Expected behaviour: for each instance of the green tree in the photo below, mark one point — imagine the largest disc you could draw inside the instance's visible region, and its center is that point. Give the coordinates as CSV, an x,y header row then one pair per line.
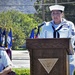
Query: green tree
x,y
69,8
20,23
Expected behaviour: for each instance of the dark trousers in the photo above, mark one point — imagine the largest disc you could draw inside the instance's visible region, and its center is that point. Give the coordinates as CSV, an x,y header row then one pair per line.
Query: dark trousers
x,y
11,73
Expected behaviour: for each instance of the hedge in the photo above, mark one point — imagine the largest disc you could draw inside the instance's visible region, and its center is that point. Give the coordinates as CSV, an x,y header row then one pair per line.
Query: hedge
x,y
21,71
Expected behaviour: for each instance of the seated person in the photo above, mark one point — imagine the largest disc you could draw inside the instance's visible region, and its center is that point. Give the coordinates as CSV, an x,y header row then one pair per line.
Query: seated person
x,y
5,63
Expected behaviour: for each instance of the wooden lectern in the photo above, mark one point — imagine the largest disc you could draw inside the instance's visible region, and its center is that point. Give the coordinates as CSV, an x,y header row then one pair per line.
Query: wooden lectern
x,y
49,56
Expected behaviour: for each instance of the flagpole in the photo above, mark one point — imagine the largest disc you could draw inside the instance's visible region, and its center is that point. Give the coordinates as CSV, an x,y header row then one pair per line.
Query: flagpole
x,y
55,1
5,38
0,36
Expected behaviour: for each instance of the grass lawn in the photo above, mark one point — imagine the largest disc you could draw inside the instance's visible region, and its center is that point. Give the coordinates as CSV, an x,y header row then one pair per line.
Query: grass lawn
x,y
21,71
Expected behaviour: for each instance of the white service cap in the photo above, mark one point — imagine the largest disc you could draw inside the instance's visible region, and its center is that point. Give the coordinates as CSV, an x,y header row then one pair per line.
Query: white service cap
x,y
56,7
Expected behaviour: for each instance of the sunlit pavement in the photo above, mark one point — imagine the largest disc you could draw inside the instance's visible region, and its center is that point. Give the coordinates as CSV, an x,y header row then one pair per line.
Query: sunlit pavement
x,y
20,59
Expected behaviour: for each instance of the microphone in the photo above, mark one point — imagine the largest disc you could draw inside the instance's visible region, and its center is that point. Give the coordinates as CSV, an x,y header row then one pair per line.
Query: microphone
x,y
38,31
41,24
37,27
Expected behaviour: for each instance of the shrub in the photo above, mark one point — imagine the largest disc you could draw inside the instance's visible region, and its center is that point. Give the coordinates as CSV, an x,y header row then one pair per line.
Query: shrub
x,y
74,72
21,71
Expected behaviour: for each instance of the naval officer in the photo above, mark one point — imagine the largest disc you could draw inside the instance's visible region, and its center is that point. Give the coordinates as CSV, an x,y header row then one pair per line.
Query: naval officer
x,y
59,27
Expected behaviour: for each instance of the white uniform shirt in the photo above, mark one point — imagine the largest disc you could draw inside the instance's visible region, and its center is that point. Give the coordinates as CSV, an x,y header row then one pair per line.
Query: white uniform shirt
x,y
67,31
4,60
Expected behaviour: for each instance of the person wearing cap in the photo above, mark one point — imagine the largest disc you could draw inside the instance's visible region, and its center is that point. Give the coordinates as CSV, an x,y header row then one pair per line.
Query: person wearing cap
x,y
59,27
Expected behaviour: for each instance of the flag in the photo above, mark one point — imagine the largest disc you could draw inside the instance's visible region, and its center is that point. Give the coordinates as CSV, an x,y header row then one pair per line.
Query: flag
x,y
32,33
38,32
4,32
4,38
0,36
9,39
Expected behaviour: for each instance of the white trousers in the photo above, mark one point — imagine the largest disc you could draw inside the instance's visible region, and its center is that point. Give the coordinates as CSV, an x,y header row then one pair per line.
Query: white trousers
x,y
72,64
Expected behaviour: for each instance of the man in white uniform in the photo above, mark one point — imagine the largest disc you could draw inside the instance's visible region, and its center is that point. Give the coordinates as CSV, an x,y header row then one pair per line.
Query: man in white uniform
x,y
5,63
58,27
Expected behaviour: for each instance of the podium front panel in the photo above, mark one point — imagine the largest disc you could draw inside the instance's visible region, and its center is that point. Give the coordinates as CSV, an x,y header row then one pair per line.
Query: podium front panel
x,y
59,68
49,56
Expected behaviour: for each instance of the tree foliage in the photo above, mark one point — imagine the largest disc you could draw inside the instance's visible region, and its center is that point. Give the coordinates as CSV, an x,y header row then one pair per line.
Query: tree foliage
x,y
21,25
69,8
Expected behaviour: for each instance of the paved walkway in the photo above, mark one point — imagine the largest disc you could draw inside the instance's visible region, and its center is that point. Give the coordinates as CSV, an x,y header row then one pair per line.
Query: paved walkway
x,y
21,59
20,55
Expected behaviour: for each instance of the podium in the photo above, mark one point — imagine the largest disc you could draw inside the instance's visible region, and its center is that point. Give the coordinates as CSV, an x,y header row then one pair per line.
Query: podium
x,y
49,56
